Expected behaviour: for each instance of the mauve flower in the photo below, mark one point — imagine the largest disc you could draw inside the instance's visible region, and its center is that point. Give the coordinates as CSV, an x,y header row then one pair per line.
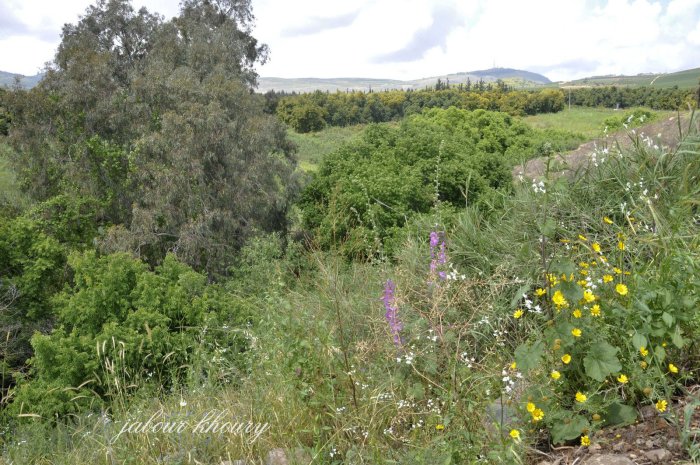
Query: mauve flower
x,y
391,308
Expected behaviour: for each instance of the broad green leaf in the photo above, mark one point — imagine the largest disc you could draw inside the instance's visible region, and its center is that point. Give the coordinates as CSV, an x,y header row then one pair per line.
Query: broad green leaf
x,y
568,429
561,266
528,356
668,319
601,361
639,340
548,227
572,291
620,414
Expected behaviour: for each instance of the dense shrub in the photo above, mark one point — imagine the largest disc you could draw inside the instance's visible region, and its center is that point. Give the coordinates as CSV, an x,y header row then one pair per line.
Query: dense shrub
x,y
367,189
120,321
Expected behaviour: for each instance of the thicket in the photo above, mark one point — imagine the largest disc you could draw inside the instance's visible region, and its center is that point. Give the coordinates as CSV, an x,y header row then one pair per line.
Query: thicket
x,y
147,165
154,120
313,111
655,98
368,190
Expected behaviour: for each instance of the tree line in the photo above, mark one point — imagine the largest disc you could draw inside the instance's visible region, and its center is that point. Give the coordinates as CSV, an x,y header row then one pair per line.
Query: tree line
x,y
313,111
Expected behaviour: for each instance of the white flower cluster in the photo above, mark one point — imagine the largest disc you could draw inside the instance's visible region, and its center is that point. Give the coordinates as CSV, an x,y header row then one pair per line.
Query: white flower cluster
x,y
527,303
508,382
538,187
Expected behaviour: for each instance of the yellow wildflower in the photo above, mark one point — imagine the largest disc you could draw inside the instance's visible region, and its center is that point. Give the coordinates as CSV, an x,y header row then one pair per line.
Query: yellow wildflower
x,y
596,247
588,296
518,313
576,332
595,310
515,434
607,220
584,272
439,427
555,375
513,366
643,364
661,405
566,358
643,350
607,278
530,407
559,299
537,414
585,441
577,313
617,270
582,283
582,237
623,379
621,245
672,368
581,397
621,289
540,292
583,265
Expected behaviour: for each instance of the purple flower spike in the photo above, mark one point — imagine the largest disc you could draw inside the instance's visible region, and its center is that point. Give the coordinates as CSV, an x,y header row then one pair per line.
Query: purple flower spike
x,y
392,311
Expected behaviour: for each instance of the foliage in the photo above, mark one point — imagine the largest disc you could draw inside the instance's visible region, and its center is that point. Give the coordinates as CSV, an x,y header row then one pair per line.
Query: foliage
x,y
629,119
656,98
311,112
120,320
156,122
371,187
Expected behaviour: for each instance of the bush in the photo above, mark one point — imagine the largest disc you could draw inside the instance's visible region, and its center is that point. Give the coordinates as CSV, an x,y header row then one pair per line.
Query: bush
x,y
367,189
120,326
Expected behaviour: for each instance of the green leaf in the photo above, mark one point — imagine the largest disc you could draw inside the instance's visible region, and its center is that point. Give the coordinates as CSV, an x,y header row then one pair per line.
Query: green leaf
x,y
620,414
668,319
528,356
639,340
561,266
548,228
677,339
568,429
572,291
601,361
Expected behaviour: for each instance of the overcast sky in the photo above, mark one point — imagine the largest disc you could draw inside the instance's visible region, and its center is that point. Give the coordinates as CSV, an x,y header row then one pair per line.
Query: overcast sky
x,y
409,39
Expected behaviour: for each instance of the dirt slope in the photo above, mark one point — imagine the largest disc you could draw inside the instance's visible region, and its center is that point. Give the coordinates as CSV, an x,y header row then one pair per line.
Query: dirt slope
x,y
664,133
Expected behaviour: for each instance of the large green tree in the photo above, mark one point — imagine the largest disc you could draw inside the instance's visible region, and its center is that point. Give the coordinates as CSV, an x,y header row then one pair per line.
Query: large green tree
x,y
155,120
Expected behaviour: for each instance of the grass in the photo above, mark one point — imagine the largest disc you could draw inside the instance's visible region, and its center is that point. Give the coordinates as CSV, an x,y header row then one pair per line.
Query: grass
x,y
329,378
314,145
583,120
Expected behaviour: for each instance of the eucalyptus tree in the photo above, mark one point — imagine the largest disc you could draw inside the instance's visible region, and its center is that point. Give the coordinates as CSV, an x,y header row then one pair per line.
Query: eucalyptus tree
x,y
156,120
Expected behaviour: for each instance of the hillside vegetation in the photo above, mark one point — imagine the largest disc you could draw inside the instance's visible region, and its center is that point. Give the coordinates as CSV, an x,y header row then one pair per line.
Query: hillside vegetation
x,y
174,290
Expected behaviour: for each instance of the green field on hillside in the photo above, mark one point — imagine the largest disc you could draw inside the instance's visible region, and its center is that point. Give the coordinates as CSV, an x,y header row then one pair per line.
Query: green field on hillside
x,y
584,120
311,147
683,79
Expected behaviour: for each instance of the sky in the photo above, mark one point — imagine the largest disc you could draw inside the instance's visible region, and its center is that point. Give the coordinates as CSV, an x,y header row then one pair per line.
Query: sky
x,y
411,39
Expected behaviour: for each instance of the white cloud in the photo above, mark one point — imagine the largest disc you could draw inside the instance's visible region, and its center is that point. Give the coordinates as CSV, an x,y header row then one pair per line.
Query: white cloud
x,y
326,38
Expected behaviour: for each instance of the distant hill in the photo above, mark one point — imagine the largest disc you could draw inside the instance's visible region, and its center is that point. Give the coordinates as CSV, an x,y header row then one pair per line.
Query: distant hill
x,y
513,77
684,79
27,82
